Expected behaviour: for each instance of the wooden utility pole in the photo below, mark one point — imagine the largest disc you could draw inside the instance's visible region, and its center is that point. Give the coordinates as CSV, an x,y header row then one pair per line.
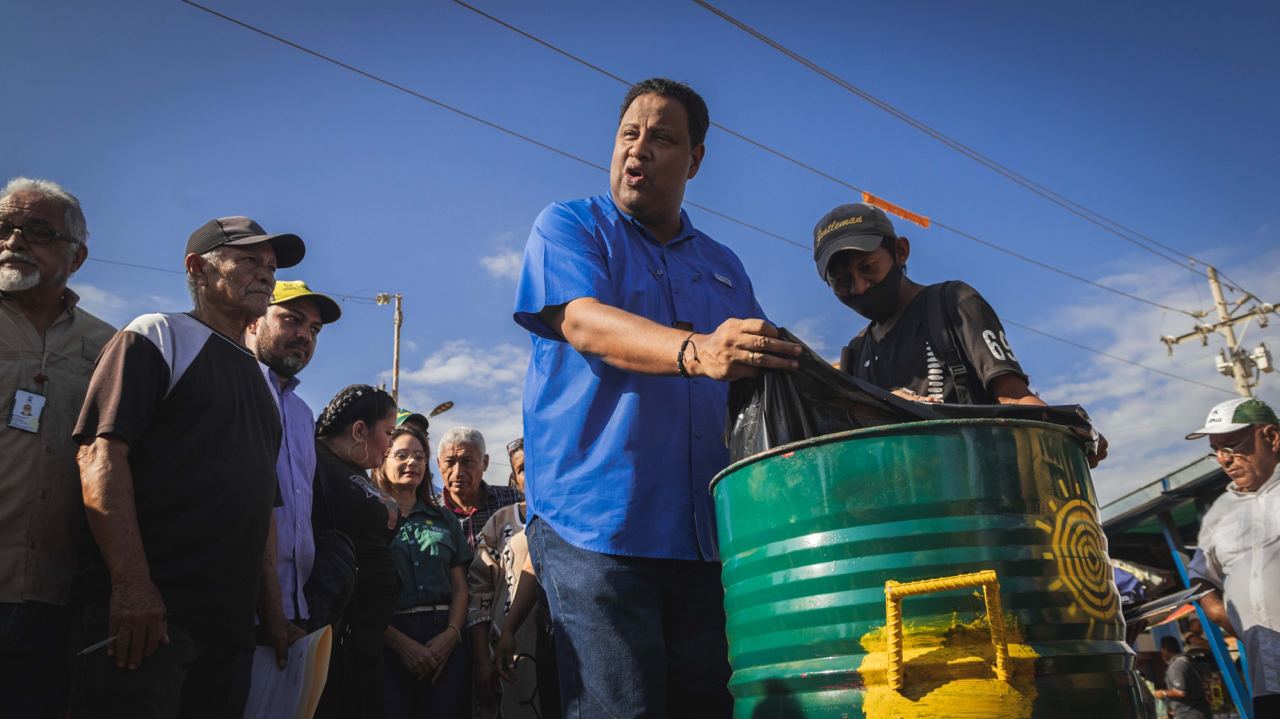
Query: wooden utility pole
x,y
1238,363
383,298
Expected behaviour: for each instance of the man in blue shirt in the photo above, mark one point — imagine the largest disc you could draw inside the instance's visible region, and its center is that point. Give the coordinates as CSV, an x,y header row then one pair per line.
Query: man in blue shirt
x,y
637,321
284,340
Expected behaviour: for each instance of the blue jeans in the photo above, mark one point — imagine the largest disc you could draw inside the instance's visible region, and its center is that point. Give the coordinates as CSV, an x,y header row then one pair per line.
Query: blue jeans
x,y
635,637
33,660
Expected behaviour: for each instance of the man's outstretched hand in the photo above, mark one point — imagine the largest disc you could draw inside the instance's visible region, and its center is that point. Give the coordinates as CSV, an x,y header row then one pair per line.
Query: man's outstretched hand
x,y
740,348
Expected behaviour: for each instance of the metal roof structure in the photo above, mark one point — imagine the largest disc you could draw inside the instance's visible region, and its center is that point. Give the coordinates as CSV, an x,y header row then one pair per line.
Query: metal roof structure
x,y
1132,522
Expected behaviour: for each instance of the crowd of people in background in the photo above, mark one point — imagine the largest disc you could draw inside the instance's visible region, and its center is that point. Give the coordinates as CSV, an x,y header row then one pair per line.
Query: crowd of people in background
x,y
168,502
171,503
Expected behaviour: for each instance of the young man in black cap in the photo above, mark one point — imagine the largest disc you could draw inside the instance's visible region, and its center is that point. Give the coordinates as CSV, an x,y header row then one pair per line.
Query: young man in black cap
x,y
935,343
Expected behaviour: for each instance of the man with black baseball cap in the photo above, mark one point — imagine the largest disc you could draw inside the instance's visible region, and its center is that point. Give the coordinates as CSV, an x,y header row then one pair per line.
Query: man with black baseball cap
x,y
239,231
935,343
179,438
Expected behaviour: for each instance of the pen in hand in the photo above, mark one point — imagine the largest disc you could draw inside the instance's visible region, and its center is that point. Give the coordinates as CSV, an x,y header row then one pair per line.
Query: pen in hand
x,y
95,646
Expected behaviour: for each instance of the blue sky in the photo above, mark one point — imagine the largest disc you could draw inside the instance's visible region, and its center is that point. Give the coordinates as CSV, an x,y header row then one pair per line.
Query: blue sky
x,y
1162,116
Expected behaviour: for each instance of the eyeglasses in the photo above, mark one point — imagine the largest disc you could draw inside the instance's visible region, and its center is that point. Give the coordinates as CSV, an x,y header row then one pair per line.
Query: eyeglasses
x,y
403,455
34,234
515,445
1239,447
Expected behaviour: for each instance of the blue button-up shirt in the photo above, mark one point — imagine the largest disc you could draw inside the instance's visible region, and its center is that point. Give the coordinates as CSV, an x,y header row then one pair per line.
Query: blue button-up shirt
x,y
619,462
296,467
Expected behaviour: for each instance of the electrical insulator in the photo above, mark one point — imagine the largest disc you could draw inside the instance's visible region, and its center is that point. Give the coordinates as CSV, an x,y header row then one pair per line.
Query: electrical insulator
x,y
1261,357
1224,364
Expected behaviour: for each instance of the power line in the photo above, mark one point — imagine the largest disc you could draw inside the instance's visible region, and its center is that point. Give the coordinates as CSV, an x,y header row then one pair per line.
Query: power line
x,y
1109,225
1117,358
1006,321
152,268
136,266
584,161
778,153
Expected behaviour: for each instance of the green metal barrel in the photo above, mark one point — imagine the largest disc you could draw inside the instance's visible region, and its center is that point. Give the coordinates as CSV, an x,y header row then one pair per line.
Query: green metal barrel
x,y
947,517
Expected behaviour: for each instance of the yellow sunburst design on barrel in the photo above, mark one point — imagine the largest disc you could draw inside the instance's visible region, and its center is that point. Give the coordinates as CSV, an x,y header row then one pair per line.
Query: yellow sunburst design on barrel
x,y
1080,550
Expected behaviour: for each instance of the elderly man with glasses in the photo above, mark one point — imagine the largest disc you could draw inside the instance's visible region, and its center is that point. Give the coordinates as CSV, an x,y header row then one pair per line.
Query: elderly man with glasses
x,y
1239,546
47,347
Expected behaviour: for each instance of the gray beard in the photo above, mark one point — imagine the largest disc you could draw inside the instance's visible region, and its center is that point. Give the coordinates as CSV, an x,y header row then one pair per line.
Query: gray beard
x,y
286,367
13,280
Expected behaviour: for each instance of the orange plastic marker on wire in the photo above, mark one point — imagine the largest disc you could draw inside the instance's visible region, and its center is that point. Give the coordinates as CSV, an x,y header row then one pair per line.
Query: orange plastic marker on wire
x,y
893,209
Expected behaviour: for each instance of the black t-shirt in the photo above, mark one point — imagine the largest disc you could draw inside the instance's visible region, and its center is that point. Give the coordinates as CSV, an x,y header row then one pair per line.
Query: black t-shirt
x,y
203,434
905,356
346,499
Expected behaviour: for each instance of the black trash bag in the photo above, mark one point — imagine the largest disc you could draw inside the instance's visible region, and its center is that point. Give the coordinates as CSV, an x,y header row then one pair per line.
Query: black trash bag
x,y
781,407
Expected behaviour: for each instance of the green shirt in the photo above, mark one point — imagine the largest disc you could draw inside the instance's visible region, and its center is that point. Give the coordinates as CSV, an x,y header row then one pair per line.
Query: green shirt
x,y
429,544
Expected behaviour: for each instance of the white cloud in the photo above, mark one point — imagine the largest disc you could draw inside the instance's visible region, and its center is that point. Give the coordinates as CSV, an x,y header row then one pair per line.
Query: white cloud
x,y
484,383
504,265
117,309
1145,415
497,416
814,332
460,363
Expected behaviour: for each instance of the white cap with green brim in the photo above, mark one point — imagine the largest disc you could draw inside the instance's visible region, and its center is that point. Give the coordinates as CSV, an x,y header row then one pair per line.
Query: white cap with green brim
x,y
1235,414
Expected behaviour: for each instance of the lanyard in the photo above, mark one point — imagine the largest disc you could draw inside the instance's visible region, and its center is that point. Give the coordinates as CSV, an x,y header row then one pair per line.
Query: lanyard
x,y
40,378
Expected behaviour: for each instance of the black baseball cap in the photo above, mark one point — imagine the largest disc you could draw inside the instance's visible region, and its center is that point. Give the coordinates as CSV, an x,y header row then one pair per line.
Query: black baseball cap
x,y
849,227
240,231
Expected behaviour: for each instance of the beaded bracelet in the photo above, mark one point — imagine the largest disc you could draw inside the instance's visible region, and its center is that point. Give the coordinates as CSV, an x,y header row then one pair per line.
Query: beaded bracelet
x,y
684,372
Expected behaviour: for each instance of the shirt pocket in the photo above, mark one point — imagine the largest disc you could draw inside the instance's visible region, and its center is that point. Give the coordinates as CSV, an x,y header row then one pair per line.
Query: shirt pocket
x,y
722,296
13,375
1230,548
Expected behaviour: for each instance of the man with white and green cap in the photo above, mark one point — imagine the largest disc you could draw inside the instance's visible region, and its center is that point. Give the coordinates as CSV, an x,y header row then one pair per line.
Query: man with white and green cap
x,y
1239,545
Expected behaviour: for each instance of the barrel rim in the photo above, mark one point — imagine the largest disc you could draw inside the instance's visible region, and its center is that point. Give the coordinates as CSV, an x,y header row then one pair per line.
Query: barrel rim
x,y
887,429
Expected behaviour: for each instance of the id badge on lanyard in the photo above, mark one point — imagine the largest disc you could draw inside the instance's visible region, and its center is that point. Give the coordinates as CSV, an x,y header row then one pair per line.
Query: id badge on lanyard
x,y
27,406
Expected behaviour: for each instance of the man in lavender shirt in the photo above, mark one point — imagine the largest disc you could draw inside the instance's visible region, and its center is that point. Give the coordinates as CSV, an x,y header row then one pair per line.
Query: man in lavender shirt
x,y
284,340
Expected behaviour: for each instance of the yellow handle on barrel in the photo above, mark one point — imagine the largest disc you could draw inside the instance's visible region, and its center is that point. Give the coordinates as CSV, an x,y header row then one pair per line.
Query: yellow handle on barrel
x,y
895,592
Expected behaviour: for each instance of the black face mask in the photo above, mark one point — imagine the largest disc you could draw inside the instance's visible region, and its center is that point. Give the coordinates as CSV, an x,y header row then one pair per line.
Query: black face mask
x,y
880,300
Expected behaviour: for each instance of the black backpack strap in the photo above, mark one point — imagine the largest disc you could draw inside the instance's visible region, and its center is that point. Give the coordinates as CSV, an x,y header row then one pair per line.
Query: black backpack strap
x,y
846,358
849,353
941,318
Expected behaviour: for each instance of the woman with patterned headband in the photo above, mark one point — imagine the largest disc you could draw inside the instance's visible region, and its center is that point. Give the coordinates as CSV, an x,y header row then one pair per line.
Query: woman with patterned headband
x,y
353,434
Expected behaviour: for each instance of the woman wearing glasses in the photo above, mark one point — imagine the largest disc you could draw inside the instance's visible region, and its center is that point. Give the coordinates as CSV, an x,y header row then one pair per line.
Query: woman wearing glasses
x,y
427,672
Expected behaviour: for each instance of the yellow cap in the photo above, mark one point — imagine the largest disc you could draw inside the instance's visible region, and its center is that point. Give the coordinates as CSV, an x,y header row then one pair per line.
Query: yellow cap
x,y
289,290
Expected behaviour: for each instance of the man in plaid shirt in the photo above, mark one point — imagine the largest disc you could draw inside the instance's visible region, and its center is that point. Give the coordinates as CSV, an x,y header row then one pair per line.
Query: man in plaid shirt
x,y
462,460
